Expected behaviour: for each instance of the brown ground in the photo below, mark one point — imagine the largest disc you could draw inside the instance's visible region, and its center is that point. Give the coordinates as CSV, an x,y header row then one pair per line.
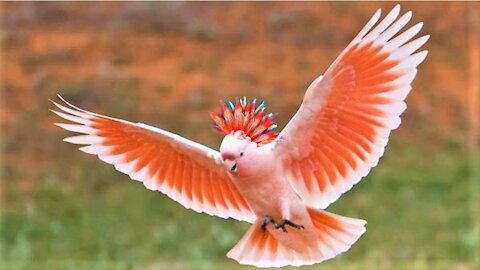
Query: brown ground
x,y
169,63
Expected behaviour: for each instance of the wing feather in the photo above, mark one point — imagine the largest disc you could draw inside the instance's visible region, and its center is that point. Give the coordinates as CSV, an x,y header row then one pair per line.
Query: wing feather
x,y
342,127
187,172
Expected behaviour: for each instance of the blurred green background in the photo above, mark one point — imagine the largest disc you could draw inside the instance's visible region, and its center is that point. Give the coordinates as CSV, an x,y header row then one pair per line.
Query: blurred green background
x,y
168,65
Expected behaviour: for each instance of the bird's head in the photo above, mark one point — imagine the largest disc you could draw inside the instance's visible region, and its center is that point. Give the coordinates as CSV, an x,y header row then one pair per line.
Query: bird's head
x,y
246,126
235,148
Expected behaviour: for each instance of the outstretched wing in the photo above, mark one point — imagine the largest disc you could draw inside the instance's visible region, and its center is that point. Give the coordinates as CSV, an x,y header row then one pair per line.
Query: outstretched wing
x,y
341,129
188,172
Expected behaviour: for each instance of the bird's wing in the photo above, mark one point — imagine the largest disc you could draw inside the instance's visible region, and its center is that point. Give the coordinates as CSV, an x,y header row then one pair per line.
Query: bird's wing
x,y
187,172
341,129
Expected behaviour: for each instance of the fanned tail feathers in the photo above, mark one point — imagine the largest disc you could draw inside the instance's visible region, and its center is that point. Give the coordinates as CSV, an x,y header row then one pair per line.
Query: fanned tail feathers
x,y
333,234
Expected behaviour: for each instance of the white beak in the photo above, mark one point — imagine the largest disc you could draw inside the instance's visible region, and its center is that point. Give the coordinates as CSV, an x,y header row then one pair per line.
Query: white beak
x,y
231,165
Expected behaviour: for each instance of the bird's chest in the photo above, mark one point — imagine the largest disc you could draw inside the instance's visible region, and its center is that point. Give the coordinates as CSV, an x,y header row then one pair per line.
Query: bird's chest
x,y
265,190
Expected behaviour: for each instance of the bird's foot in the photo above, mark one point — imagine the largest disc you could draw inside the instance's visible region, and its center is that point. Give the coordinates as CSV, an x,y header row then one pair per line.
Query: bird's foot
x,y
284,222
265,221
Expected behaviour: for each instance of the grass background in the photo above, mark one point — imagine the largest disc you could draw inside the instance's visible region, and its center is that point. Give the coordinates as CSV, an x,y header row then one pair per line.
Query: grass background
x,y
416,212
168,64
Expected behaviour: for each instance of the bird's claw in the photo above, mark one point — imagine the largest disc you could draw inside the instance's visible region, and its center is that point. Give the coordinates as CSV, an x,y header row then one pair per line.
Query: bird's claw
x,y
279,225
265,221
282,225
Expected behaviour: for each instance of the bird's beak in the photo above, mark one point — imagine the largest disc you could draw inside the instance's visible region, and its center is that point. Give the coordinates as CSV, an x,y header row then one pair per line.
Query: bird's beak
x,y
231,165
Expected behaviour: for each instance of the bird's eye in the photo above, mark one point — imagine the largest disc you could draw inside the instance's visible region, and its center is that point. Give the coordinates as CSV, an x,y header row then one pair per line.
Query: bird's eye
x,y
241,154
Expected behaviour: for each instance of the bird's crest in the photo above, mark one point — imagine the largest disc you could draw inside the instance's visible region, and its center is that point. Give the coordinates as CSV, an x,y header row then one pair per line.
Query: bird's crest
x,y
247,117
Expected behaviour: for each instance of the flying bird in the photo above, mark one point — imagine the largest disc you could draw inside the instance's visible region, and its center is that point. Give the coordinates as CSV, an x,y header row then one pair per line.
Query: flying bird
x,y
278,182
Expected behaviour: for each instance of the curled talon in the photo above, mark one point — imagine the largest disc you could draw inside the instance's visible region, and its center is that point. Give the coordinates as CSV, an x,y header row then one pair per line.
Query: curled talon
x,y
281,225
297,226
265,221
284,222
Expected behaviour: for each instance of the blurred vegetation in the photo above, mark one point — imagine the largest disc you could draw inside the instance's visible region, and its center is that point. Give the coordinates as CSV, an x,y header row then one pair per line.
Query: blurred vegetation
x,y
168,64
415,208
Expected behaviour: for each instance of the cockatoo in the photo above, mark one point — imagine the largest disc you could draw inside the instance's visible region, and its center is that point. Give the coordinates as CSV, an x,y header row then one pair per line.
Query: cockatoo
x,y
278,182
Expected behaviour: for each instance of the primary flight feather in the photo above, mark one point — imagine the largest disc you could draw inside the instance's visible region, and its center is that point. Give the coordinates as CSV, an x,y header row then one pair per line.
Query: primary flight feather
x,y
279,182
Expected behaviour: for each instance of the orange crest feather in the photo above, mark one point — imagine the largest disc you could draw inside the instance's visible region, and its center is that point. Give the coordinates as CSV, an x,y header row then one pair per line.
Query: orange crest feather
x,y
247,117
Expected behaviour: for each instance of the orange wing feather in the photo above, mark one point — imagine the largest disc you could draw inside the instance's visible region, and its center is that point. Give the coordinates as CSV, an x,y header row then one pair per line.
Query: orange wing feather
x,y
187,172
340,131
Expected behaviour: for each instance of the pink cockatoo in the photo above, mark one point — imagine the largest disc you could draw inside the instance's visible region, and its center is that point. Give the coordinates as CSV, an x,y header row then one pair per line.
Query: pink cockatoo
x,y
277,182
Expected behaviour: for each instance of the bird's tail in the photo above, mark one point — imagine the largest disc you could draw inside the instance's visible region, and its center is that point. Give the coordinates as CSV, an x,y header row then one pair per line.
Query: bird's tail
x,y
331,234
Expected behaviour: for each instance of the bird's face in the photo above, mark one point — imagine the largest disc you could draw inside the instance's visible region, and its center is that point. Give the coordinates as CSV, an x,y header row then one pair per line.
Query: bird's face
x,y
235,149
